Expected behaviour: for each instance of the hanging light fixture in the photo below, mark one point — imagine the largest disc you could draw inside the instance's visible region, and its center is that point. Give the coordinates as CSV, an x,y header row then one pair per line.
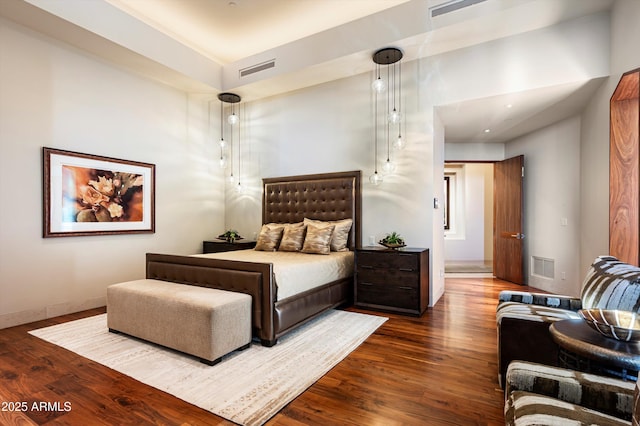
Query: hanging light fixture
x,y
229,98
388,56
375,178
239,187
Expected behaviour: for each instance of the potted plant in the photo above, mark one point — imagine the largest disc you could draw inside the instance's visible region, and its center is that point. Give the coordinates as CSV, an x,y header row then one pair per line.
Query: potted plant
x,y
392,241
230,236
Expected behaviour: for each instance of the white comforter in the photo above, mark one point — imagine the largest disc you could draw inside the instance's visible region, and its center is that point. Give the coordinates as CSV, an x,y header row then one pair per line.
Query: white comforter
x,y
296,272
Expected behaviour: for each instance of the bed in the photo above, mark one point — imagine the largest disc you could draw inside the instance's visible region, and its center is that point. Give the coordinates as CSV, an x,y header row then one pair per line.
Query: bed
x,y
323,197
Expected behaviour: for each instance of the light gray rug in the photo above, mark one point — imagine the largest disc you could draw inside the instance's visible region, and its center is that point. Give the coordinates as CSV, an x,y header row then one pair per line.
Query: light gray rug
x,y
247,387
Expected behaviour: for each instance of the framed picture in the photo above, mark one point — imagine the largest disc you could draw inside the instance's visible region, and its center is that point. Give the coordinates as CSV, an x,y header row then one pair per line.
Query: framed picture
x,y
87,194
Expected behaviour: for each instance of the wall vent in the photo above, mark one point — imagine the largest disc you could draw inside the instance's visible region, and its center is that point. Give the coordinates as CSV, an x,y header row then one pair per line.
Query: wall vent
x,y
452,6
542,267
257,68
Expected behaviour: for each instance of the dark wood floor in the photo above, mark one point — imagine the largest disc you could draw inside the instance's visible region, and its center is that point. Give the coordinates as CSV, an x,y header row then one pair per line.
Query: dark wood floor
x,y
439,369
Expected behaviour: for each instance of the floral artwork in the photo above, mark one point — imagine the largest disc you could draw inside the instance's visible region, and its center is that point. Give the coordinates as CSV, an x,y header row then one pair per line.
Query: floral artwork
x,y
91,195
87,194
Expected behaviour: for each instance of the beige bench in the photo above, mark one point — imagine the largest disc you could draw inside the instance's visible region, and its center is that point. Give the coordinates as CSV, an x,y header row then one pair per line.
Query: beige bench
x,y
203,322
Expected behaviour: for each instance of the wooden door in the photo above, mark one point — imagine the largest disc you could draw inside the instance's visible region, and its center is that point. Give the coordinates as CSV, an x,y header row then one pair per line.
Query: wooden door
x,y
508,220
624,170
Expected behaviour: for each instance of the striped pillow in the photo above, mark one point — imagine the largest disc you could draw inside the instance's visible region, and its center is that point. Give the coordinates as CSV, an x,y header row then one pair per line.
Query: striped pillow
x,y
292,237
269,238
611,284
317,240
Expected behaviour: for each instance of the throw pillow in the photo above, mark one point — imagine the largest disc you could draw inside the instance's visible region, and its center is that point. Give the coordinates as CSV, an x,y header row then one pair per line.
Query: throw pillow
x,y
269,238
317,240
340,236
292,237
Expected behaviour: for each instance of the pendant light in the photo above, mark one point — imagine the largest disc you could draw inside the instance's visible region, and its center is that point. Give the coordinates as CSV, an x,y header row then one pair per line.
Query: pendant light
x,y
239,187
390,57
375,178
221,143
229,98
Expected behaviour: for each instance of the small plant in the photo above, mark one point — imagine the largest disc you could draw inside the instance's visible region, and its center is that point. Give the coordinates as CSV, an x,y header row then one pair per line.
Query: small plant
x,y
230,236
392,239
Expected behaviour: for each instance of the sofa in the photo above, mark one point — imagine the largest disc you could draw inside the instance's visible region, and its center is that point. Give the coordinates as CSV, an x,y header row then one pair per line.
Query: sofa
x,y
543,395
523,318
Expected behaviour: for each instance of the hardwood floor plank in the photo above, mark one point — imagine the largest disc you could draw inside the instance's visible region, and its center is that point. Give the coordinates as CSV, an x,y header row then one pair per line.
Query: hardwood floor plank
x,y
439,369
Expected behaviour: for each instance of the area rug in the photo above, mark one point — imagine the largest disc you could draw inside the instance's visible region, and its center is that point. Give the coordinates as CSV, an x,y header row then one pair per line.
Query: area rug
x,y
247,387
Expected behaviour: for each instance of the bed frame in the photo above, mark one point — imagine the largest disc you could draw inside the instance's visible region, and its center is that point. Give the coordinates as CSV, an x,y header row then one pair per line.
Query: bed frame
x,y
330,196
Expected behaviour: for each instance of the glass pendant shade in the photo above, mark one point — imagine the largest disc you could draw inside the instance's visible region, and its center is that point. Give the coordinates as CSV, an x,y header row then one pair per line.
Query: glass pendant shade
x,y
399,143
239,188
233,119
379,85
222,162
388,167
222,143
230,178
395,116
375,178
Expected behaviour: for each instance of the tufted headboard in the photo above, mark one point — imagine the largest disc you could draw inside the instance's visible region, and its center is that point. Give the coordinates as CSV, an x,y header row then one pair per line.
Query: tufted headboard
x,y
327,196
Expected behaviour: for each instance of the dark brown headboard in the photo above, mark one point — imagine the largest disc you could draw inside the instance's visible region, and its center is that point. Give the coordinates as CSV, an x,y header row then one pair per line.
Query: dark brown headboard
x,y
327,196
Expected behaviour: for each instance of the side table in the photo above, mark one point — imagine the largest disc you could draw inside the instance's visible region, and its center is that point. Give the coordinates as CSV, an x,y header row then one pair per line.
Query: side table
x,y
392,280
584,349
217,246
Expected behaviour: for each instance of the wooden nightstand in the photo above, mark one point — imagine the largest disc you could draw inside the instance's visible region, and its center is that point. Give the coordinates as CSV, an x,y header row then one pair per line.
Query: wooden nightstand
x,y
392,280
217,246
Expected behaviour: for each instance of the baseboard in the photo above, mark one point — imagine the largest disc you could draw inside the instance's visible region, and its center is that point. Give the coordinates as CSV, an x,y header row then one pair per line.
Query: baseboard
x,y
24,317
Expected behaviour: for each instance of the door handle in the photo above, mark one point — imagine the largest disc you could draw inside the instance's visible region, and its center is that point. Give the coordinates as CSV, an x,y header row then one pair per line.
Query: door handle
x,y
517,235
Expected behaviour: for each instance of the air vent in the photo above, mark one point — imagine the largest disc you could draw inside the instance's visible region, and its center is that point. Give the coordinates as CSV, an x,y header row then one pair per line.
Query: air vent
x,y
257,68
452,6
542,267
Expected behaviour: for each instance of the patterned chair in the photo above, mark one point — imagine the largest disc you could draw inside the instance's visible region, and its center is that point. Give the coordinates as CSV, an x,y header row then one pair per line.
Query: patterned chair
x,y
523,318
537,394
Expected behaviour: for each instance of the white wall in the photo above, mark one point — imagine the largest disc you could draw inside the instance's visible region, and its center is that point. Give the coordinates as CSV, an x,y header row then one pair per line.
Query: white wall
x,y
329,128
55,96
551,199
594,154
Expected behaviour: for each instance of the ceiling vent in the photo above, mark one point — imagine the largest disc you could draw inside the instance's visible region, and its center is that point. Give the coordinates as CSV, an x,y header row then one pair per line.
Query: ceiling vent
x,y
452,6
257,68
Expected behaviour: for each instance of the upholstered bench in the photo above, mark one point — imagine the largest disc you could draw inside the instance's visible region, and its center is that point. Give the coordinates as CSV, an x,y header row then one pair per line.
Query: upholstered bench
x,y
203,322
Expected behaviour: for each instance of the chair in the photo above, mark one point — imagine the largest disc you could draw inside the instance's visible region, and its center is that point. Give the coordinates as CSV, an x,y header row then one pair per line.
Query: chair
x,y
523,318
539,394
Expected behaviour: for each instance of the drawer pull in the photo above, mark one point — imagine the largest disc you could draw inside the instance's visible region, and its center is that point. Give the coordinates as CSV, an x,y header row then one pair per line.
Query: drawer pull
x,y
406,269
404,287
365,266
361,283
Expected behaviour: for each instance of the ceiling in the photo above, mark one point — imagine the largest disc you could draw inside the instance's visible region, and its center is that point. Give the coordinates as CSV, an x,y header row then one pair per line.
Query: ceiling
x,y
315,41
229,30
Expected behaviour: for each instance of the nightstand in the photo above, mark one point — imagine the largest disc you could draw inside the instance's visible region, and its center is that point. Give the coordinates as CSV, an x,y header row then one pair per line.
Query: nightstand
x,y
217,246
392,280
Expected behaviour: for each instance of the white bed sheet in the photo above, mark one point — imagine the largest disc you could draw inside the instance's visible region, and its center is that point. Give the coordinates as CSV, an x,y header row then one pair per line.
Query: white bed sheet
x,y
296,272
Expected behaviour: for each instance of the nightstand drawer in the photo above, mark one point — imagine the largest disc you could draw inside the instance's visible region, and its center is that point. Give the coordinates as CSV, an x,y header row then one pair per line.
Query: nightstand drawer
x,y
402,297
392,260
388,277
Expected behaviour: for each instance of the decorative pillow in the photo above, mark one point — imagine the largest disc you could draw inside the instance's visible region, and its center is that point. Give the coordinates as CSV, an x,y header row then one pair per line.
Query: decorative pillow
x,y
611,284
340,237
317,240
269,238
292,237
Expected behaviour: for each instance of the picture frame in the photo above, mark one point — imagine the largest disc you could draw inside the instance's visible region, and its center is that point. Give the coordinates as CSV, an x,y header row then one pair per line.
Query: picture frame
x,y
85,194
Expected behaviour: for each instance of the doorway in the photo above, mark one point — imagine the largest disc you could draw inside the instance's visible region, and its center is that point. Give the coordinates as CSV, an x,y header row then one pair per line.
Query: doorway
x,y
468,242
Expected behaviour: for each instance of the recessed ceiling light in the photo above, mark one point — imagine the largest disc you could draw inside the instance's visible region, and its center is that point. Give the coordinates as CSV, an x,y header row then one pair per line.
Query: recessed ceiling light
x,y
487,130
508,106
